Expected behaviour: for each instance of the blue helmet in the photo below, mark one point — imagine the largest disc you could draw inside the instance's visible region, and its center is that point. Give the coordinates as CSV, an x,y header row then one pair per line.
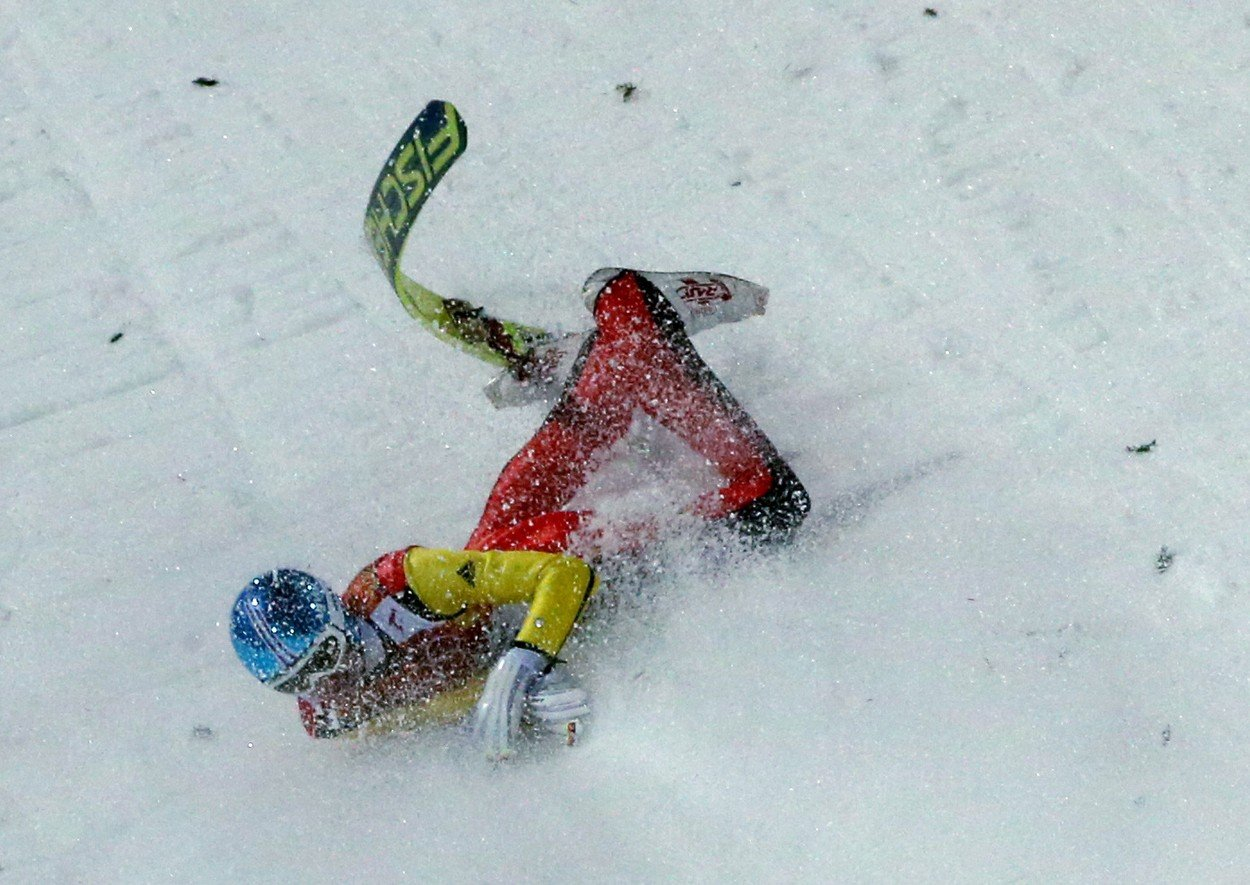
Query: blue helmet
x,y
289,629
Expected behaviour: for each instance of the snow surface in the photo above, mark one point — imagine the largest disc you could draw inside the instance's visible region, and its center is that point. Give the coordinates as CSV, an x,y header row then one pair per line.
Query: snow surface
x,y
1004,243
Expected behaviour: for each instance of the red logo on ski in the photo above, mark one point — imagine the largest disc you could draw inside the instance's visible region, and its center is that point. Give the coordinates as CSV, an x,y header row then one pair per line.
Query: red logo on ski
x,y
703,293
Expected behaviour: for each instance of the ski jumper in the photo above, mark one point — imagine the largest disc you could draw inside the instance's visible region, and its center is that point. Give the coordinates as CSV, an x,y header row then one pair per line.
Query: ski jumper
x,y
431,608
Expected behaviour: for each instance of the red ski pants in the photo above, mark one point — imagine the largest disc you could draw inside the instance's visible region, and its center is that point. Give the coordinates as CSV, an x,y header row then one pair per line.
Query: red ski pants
x,y
639,357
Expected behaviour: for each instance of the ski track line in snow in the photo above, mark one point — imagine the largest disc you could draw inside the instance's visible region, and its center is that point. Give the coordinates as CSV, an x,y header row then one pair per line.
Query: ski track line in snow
x,y
983,159
149,404
1201,218
1089,140
851,507
1090,137
182,264
1233,228
180,364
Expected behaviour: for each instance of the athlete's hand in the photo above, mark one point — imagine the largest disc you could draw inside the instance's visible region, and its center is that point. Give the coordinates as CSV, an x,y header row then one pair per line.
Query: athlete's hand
x,y
555,703
497,717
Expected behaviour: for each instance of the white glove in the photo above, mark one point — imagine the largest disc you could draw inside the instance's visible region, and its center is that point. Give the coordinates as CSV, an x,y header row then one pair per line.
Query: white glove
x,y
557,705
497,717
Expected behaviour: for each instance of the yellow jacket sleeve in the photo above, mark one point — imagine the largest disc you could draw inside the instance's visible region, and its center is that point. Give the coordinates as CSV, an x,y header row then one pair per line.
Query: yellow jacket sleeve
x,y
451,582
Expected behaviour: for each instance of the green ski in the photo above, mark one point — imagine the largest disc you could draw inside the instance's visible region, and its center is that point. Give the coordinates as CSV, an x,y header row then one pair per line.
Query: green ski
x,y
418,162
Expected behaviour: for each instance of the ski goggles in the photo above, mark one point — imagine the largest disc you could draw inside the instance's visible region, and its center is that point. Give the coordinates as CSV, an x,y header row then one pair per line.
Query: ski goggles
x,y
322,657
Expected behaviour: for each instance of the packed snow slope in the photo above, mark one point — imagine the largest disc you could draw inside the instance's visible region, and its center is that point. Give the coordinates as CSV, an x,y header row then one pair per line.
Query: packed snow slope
x,y
1007,242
